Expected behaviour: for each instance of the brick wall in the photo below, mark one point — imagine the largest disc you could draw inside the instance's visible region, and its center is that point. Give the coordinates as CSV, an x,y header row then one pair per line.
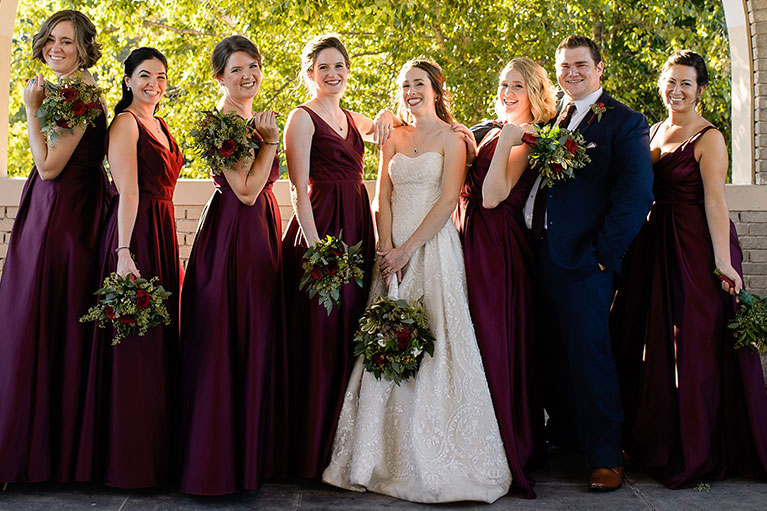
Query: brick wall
x,y
752,231
757,19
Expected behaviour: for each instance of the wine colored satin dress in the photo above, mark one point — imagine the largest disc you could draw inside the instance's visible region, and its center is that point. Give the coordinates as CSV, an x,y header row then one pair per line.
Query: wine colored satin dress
x,y
499,272
47,285
135,382
320,345
232,345
696,409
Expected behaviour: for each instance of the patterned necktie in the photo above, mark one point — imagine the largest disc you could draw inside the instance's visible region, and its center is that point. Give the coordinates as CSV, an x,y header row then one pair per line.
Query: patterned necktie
x,y
539,205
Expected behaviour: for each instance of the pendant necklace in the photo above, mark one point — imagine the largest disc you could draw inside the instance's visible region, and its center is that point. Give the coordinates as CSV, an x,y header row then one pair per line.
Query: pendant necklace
x,y
332,117
417,142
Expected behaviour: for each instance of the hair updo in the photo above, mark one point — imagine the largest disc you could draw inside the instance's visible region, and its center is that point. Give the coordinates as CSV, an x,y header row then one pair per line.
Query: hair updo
x,y
133,61
691,59
229,46
312,50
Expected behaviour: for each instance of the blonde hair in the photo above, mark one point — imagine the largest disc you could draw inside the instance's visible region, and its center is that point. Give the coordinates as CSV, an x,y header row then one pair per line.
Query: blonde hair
x,y
312,50
437,80
540,91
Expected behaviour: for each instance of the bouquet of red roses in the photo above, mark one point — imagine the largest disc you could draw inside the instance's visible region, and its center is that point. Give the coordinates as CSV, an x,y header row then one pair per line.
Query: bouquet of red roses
x,y
328,265
750,323
129,304
69,104
223,139
393,337
556,153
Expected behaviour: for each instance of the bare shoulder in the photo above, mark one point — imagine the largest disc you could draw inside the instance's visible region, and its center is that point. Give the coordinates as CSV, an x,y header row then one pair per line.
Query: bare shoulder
x,y
712,136
124,125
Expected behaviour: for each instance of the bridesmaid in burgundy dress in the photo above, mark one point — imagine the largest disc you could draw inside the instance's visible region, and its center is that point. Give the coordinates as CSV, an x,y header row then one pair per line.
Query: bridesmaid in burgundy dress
x,y
500,264
324,148
48,279
696,409
232,306
136,381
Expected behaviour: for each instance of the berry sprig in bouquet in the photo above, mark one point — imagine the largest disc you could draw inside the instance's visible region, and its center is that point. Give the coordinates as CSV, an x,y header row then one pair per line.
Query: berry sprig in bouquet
x,y
129,304
556,153
329,265
223,139
750,323
393,337
70,103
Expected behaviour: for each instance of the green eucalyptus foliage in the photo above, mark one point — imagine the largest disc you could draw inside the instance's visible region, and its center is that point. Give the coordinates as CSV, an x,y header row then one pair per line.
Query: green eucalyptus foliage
x,y
471,39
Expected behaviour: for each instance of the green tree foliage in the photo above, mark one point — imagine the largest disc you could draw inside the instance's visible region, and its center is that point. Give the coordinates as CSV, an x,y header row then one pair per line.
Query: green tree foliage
x,y
472,40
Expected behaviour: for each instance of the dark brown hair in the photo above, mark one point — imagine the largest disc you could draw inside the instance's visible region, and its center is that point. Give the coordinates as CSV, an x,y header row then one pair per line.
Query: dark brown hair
x,y
437,79
579,41
228,46
312,50
133,61
691,59
88,50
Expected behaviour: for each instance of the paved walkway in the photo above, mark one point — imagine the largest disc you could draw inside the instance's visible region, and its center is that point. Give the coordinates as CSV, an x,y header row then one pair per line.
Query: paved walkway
x,y
561,488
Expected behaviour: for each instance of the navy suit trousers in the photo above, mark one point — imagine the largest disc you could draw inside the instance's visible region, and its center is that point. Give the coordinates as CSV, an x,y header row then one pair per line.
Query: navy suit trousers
x,y
581,391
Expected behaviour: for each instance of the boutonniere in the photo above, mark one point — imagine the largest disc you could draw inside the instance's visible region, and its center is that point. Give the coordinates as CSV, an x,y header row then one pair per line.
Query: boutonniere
x,y
597,109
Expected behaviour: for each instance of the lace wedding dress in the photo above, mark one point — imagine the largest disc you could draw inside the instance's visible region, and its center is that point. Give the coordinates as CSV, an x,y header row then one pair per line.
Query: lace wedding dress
x,y
435,437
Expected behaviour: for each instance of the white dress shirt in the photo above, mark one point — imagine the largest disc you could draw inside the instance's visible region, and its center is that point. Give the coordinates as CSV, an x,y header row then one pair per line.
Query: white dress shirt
x,y
581,109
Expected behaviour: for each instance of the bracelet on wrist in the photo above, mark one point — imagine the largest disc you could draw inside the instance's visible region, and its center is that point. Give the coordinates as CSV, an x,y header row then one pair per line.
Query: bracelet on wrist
x,y
122,248
271,143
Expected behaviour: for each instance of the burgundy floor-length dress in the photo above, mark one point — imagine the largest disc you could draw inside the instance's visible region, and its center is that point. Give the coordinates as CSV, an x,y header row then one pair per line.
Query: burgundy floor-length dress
x,y
320,346
135,382
499,270
696,409
47,284
232,344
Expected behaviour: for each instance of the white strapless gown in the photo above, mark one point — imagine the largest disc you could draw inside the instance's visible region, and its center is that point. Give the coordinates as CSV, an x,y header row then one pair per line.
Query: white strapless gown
x,y
435,437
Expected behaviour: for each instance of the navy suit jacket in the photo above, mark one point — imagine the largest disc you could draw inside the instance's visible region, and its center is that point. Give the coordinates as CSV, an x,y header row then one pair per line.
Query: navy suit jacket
x,y
594,217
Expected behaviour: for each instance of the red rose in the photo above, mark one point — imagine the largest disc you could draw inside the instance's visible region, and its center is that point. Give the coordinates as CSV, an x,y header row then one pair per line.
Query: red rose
x,y
91,105
62,123
403,338
571,145
336,252
227,148
127,320
68,93
600,104
332,270
143,299
316,273
110,312
211,151
556,168
79,108
378,359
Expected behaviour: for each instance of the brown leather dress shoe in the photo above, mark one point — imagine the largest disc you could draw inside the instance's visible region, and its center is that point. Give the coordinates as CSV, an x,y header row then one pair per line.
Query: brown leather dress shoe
x,y
606,479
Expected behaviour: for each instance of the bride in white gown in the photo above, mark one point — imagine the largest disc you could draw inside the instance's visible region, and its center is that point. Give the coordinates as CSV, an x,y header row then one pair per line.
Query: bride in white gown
x,y
435,437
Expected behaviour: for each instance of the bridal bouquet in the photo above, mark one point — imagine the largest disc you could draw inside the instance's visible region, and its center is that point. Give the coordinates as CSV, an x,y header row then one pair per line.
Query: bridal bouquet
x,y
328,265
223,139
556,153
129,304
393,337
69,104
750,323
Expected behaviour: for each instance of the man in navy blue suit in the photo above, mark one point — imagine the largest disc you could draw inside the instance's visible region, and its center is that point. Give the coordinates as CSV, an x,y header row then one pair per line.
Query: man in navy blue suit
x,y
583,226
